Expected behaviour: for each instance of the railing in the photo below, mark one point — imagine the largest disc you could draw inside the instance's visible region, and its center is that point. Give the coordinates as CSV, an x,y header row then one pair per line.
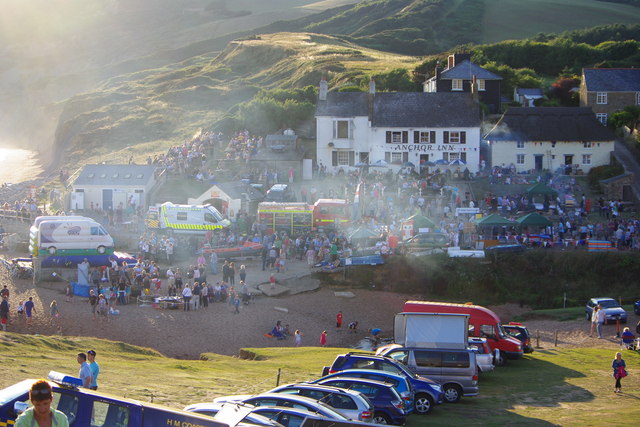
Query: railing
x,y
17,215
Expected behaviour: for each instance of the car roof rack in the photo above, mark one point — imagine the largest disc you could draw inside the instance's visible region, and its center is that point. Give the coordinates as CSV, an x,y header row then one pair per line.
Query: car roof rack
x,y
63,380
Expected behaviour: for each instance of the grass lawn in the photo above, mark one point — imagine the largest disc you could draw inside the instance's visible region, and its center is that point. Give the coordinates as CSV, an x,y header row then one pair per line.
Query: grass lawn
x,y
550,386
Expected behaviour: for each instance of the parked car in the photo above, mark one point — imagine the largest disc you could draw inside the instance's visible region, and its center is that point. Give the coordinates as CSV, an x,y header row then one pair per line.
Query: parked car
x,y
636,308
350,403
212,409
455,369
424,241
612,309
485,359
400,383
519,331
287,400
509,248
426,392
279,193
389,406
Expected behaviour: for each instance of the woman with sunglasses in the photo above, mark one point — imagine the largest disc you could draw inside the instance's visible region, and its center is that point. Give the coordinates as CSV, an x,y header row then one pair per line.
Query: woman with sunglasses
x,y
41,414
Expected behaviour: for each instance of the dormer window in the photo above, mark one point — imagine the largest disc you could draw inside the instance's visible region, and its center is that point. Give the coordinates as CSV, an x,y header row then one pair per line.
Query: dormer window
x,y
115,175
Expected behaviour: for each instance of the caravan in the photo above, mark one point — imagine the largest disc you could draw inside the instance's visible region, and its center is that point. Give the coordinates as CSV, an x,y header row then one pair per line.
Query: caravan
x,y
69,236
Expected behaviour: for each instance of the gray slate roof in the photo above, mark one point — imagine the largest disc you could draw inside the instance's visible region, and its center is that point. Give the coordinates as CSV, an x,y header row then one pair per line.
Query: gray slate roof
x,y
115,175
405,109
466,70
549,124
612,79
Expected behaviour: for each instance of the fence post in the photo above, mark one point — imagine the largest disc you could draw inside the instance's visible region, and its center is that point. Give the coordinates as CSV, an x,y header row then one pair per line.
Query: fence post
x,y
537,339
278,378
556,340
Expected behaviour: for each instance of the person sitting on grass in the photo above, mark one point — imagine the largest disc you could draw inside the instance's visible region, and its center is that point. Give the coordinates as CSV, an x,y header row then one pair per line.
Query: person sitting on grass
x,y
627,339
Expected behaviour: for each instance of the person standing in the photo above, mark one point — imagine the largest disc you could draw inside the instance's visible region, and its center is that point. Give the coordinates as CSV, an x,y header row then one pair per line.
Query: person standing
x,y
95,369
93,300
40,413
85,370
55,313
600,320
4,312
232,273
186,296
323,338
594,320
339,320
29,309
214,262
243,273
298,337
619,371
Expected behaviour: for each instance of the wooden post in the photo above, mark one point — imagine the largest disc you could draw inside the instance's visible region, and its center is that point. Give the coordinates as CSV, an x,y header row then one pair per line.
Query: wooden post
x,y
278,378
556,340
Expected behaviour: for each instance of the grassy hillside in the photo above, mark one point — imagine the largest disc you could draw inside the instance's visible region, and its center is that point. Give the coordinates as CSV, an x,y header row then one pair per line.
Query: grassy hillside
x,y
152,109
549,387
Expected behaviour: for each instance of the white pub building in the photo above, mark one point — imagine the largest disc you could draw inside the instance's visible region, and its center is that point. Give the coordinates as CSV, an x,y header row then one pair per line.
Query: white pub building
x,y
397,129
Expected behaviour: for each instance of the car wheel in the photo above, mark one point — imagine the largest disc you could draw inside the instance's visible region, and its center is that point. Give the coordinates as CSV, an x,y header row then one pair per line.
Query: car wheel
x,y
101,249
501,360
423,404
452,393
380,418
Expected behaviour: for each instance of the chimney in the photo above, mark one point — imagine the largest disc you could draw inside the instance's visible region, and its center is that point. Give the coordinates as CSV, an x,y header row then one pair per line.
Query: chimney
x,y
372,86
324,88
451,61
474,88
372,94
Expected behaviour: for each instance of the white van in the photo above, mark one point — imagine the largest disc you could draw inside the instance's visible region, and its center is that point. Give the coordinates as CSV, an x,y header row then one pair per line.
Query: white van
x,y
71,237
185,218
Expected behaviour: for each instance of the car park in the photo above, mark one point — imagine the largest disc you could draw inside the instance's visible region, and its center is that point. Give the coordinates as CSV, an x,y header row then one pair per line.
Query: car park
x,y
427,393
286,400
210,409
455,369
613,311
389,406
400,383
352,404
485,359
520,332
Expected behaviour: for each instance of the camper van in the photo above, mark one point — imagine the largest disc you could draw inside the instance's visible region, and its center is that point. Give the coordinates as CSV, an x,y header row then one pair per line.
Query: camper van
x,y
70,236
194,219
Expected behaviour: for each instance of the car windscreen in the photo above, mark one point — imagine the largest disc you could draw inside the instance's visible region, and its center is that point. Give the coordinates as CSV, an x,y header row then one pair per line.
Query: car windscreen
x,y
609,303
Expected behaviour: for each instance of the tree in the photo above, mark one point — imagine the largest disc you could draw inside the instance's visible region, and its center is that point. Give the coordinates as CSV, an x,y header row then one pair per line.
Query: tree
x,y
629,117
562,89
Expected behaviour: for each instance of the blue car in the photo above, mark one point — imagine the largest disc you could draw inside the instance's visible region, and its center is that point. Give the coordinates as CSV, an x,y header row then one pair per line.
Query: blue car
x,y
426,392
636,307
612,309
400,383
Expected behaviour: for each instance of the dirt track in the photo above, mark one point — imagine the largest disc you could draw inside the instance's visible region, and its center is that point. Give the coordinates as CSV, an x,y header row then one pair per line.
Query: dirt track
x,y
217,329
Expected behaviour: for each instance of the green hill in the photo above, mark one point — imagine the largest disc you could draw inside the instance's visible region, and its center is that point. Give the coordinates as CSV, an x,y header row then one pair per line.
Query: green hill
x,y
152,109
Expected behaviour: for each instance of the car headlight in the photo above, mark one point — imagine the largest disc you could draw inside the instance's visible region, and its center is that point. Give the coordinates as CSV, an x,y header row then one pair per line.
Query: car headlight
x,y
437,387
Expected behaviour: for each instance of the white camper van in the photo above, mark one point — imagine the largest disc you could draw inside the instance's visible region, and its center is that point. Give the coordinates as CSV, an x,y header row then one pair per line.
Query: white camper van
x,y
185,218
70,236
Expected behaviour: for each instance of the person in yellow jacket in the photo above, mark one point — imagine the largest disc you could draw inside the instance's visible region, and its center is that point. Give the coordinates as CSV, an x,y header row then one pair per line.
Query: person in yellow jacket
x,y
41,414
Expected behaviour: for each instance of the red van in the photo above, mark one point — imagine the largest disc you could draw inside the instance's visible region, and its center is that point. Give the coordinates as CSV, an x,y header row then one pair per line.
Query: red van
x,y
483,323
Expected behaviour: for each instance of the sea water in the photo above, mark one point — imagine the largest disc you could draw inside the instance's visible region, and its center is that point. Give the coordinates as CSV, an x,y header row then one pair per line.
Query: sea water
x,y
18,165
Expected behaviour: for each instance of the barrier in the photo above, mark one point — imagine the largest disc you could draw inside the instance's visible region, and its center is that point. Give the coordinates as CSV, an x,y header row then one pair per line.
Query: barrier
x,y
600,246
80,290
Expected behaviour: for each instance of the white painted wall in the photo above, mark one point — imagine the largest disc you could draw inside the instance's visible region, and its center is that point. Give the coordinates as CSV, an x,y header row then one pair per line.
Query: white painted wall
x,y
505,153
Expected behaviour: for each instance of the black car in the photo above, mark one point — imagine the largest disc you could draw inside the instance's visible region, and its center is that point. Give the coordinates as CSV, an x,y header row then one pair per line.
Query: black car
x,y
520,332
280,193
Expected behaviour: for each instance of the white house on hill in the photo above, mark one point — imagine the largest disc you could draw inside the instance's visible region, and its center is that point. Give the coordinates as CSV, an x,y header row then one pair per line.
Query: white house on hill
x,y
396,128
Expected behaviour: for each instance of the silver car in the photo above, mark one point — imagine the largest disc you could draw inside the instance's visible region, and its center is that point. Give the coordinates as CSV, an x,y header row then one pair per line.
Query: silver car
x,y
485,359
288,400
350,403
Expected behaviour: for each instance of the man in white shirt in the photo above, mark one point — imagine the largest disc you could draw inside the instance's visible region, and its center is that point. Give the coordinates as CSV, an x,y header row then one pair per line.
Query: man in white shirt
x,y
85,370
601,320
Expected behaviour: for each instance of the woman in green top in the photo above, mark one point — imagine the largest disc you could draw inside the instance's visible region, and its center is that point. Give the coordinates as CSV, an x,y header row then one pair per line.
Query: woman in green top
x,y
41,414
